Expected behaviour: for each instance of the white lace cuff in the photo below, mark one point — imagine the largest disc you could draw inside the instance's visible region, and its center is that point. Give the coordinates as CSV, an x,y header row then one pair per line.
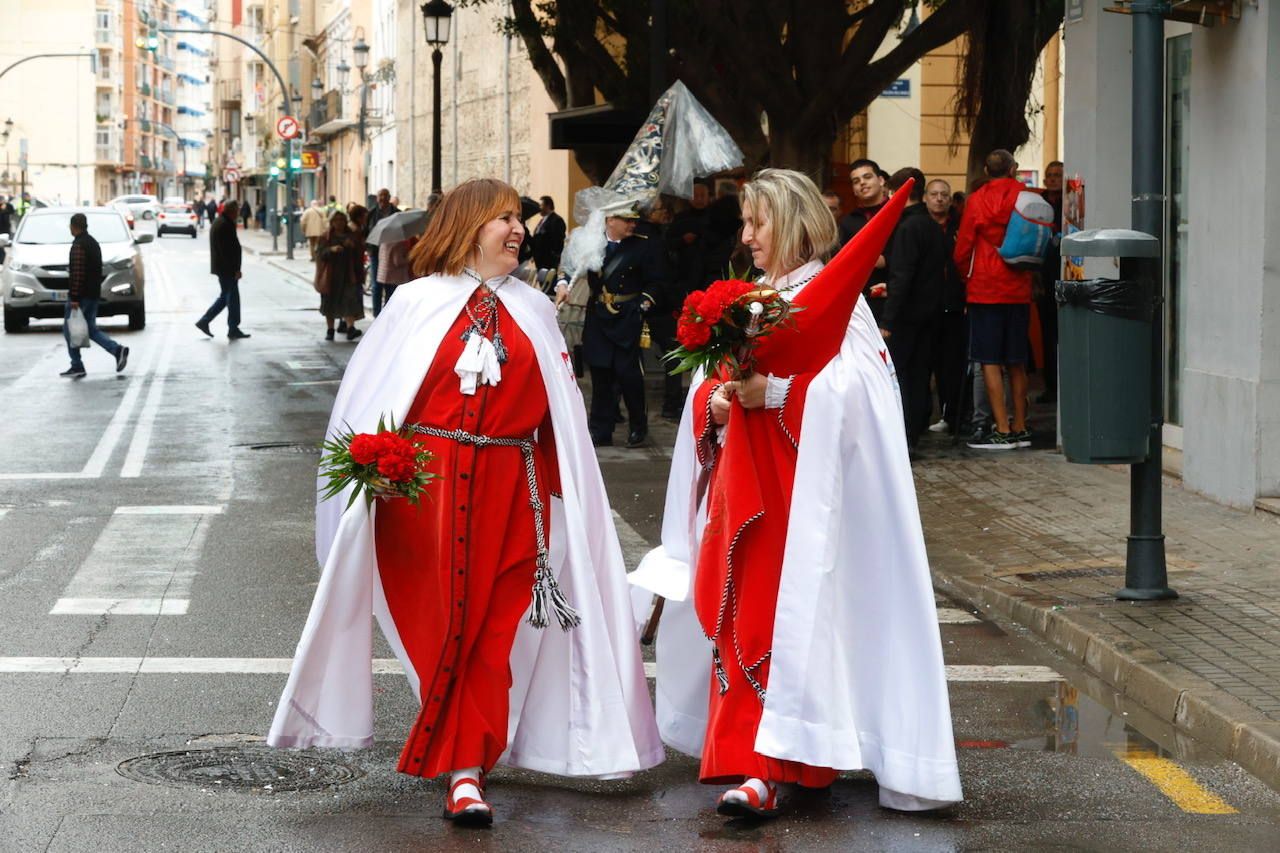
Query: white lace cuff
x,y
776,390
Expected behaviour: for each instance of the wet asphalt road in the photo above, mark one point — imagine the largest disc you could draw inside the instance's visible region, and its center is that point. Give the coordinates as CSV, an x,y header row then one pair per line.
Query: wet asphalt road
x,y
179,495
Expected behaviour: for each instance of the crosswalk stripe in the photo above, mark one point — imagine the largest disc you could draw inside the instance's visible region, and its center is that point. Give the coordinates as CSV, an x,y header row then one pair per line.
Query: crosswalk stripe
x,y
142,563
380,666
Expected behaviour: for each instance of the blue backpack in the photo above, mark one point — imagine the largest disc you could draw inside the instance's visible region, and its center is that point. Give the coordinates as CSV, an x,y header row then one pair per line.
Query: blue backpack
x,y
1029,233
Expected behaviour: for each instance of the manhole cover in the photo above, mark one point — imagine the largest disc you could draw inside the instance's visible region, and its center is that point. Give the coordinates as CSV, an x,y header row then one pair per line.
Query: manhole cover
x,y
240,767
282,447
1067,574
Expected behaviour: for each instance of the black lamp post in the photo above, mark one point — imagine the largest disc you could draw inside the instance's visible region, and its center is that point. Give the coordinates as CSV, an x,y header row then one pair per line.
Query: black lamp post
x,y
436,18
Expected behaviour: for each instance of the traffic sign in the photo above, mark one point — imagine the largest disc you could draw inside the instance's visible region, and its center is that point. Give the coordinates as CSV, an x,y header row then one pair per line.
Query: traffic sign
x,y
288,128
231,176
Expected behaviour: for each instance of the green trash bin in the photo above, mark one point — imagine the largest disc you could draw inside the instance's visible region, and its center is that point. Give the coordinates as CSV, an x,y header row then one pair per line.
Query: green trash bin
x,y
1104,349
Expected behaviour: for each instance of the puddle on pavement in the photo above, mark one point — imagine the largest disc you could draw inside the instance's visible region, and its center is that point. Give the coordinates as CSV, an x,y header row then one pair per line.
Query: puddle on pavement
x,y
1075,723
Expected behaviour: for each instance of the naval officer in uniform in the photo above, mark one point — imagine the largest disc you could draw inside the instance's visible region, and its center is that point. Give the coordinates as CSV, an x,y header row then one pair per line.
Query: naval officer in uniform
x,y
621,294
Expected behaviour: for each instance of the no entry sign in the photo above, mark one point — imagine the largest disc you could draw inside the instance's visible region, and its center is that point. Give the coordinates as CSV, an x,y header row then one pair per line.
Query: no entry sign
x,y
287,127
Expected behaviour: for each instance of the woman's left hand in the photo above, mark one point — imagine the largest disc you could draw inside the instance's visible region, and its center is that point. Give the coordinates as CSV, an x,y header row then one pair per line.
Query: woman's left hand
x,y
750,391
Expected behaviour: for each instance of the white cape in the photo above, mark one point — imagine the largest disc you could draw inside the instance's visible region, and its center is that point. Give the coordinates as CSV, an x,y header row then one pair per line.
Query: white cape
x,y
579,702
856,679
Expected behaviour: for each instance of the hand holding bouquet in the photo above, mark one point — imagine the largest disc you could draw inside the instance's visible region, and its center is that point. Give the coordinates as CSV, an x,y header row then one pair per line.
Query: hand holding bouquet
x,y
719,327
384,464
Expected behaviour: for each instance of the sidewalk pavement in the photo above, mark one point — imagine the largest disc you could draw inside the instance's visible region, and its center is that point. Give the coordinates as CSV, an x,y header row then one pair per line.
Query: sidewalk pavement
x,y
1042,542
258,242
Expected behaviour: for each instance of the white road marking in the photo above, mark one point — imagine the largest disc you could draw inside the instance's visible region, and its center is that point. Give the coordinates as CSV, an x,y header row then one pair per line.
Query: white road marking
x,y
308,365
142,429
1008,673
955,616
121,606
106,446
318,382
193,509
141,564
385,666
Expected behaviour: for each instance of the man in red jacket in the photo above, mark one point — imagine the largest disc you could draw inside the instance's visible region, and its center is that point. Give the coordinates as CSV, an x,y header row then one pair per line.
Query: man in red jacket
x,y
998,299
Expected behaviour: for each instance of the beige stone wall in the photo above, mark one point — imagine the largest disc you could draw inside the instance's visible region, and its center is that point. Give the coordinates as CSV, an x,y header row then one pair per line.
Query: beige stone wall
x,y
493,111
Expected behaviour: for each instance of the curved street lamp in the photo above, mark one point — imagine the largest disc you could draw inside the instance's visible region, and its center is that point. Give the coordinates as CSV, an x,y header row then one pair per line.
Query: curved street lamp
x,y
436,21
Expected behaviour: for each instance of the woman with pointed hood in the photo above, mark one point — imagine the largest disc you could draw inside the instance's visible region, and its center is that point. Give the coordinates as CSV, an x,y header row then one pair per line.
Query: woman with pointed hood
x,y
792,553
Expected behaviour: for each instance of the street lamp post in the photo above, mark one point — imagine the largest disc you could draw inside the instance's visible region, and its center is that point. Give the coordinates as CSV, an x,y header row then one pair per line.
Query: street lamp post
x,y
284,106
360,50
436,19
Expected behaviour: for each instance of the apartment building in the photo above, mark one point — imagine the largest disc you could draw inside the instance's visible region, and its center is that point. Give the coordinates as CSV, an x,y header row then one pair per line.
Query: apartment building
x,y
47,104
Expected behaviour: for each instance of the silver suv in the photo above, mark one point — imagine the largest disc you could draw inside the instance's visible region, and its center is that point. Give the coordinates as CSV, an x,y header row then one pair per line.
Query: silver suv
x,y
34,278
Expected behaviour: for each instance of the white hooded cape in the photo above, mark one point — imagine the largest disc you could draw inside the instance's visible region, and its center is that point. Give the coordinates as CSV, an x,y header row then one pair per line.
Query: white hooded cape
x,y
579,702
856,679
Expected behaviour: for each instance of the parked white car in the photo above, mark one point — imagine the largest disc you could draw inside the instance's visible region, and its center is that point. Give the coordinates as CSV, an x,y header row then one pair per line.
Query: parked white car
x,y
34,278
143,206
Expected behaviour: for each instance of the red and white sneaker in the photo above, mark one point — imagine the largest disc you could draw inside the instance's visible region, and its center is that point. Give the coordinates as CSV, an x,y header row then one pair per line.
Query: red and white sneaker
x,y
468,810
754,798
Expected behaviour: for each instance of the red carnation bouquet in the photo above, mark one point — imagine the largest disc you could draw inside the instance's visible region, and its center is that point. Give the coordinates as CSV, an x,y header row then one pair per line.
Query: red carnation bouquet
x,y
720,326
384,464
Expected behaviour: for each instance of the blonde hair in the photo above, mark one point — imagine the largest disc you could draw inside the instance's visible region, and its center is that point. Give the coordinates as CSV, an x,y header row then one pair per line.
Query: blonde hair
x,y
451,234
803,227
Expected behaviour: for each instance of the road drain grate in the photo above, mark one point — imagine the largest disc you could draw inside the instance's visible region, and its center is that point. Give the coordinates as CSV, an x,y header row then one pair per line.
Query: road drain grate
x,y
242,768
1064,574
282,447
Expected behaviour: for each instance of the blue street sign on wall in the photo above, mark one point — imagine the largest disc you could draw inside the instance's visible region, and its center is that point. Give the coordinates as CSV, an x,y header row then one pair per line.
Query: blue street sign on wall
x,y
900,88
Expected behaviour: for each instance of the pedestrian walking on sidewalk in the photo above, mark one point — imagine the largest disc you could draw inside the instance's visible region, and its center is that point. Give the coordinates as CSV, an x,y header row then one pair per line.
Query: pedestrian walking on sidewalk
x,y
381,210
314,225
84,270
792,558
911,322
472,357
338,267
999,299
224,262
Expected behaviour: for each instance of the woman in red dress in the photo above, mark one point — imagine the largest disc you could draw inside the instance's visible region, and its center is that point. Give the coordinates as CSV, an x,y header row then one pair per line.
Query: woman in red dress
x,y
471,357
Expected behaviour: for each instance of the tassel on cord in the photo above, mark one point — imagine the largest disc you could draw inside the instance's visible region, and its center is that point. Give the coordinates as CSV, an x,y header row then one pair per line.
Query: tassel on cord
x,y
722,677
548,600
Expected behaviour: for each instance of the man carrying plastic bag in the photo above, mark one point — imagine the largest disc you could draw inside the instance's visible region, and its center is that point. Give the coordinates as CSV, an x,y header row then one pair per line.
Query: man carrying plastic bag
x,y
84,294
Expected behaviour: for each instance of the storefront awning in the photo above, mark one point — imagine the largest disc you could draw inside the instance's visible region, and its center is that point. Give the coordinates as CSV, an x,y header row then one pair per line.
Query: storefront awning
x,y
333,126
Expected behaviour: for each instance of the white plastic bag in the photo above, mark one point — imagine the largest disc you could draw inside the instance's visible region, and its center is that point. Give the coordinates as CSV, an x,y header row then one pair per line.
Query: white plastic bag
x,y
78,329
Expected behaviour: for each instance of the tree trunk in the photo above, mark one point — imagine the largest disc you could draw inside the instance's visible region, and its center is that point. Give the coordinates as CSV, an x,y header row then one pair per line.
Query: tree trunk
x,y
1004,47
811,154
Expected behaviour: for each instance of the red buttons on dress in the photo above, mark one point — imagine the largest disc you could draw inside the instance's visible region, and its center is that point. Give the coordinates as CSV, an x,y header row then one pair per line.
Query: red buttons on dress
x,y
462,508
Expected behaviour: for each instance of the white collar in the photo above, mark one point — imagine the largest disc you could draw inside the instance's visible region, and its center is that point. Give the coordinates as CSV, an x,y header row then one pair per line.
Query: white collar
x,y
794,281
493,283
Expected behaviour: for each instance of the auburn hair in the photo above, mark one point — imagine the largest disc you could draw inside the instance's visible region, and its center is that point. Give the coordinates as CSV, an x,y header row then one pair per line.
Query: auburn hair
x,y
451,234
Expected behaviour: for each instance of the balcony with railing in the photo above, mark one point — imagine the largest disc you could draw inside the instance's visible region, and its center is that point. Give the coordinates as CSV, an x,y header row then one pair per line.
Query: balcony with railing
x,y
166,96
145,89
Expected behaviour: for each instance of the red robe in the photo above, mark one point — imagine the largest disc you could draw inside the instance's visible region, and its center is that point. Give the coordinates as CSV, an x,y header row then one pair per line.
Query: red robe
x,y
739,569
739,562
457,569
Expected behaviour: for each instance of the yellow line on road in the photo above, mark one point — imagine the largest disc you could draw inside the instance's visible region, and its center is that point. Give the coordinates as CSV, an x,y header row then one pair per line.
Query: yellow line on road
x,y
1174,782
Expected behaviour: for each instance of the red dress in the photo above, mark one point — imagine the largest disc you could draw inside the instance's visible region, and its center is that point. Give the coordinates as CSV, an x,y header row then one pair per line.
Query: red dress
x,y
739,570
458,569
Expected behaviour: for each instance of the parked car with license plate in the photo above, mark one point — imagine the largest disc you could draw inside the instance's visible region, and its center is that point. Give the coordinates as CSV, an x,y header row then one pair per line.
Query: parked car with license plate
x,y
34,279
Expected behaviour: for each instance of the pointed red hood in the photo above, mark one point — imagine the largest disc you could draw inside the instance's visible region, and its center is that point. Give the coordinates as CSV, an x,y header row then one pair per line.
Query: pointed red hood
x,y
812,337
